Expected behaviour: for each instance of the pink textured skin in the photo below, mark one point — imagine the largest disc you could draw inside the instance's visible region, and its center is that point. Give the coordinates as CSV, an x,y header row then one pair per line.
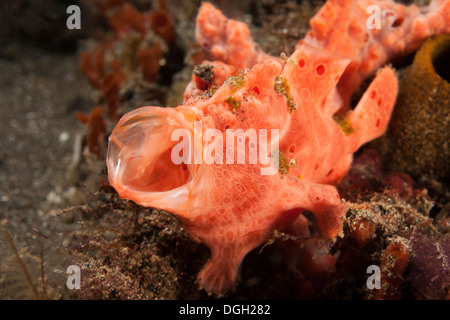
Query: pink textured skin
x,y
226,40
228,46
341,27
232,208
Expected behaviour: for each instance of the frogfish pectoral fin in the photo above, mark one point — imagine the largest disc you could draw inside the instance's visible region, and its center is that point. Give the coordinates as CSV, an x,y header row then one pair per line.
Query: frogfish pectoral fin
x,y
320,199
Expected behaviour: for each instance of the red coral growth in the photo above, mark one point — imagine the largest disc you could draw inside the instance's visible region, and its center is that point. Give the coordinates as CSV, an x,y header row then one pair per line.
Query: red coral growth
x,y
93,67
105,5
149,61
96,130
137,48
162,24
110,86
362,231
394,261
124,19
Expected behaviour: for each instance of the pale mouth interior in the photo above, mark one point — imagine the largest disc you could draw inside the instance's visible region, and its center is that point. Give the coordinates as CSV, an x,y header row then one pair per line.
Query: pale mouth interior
x,y
139,155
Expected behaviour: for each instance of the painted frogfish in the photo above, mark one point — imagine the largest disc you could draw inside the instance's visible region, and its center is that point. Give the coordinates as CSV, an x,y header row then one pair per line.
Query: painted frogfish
x,y
263,139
